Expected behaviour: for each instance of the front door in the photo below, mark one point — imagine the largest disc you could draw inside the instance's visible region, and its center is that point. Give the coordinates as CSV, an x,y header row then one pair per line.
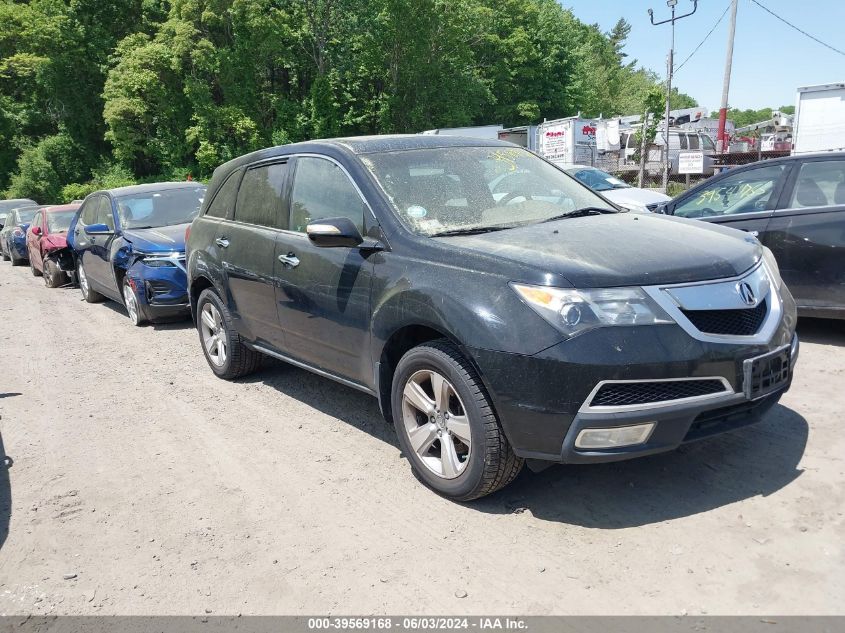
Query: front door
x,y
744,200
95,248
247,248
807,234
324,293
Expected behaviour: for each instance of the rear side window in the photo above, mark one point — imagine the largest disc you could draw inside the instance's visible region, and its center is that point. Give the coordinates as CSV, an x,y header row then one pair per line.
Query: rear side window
x,y
683,141
819,184
260,196
225,197
321,190
693,141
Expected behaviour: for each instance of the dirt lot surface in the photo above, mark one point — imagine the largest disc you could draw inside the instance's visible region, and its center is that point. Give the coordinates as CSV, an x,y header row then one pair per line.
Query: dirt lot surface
x,y
138,483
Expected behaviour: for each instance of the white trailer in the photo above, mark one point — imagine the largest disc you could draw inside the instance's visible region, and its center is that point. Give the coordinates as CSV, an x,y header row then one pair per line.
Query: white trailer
x,y
568,141
819,124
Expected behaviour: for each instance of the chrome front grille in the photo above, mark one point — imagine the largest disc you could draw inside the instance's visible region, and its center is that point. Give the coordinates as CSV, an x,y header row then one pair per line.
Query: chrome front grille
x,y
743,322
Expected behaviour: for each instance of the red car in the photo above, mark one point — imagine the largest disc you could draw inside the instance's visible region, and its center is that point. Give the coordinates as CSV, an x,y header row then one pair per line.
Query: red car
x,y
46,243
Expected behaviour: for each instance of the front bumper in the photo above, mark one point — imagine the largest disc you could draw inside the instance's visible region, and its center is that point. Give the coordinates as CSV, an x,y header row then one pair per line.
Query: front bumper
x,y
162,292
543,400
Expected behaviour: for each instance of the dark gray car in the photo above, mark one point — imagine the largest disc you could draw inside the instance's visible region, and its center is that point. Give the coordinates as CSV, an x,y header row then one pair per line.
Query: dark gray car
x,y
494,326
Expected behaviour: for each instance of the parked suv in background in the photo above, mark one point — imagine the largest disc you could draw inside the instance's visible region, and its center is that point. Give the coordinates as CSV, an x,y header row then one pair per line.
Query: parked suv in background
x,y
795,206
532,323
129,246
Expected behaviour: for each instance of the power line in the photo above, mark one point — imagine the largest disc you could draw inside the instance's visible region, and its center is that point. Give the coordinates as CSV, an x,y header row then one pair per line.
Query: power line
x,y
815,39
701,43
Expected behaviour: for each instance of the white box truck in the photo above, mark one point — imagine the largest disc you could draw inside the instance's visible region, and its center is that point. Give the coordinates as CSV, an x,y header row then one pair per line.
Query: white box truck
x,y
819,124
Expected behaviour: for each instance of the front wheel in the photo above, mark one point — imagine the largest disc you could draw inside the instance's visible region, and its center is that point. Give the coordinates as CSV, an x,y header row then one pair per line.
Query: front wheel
x,y
91,296
35,272
226,353
130,302
446,424
53,275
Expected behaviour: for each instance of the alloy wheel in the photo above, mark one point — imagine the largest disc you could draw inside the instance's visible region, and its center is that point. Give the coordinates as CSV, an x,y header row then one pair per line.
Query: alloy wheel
x,y
436,423
213,334
83,282
131,303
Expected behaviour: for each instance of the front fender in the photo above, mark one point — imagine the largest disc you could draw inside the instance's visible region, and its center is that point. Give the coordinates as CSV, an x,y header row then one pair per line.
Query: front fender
x,y
483,315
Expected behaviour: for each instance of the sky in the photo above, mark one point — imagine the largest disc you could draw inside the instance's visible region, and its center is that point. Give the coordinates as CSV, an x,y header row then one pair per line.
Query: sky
x,y
770,59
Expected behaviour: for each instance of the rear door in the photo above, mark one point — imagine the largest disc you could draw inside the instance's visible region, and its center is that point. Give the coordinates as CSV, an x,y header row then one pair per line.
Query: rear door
x,y
247,251
324,296
743,200
807,233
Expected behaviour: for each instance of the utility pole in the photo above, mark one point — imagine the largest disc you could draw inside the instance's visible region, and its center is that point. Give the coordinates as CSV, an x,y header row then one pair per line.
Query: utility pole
x,y
721,137
670,63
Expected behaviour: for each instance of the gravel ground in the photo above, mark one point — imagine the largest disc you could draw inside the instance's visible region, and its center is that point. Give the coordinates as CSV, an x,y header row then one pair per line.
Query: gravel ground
x,y
138,483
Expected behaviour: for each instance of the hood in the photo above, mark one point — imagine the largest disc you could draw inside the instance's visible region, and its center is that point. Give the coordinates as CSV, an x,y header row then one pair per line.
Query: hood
x,y
54,241
165,239
632,196
621,249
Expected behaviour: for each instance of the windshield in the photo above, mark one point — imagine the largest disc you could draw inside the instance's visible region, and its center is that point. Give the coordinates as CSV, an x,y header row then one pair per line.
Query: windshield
x,y
160,208
26,215
446,189
59,221
598,180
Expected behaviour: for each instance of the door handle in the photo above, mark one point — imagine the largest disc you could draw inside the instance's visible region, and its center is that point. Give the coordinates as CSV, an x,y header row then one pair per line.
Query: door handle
x,y
289,260
222,242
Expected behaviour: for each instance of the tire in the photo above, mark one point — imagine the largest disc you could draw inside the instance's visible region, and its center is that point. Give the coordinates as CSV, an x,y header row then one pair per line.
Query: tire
x,y
35,272
6,256
478,468
16,261
89,295
53,276
214,320
133,308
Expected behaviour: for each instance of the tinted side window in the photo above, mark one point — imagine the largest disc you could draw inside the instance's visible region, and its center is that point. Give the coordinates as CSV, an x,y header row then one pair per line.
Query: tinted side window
x,y
104,213
225,197
683,140
260,196
693,141
745,192
321,189
819,183
89,210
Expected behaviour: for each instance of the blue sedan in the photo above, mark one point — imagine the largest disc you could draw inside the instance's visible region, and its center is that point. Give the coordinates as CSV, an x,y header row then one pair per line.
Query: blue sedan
x,y
13,234
129,246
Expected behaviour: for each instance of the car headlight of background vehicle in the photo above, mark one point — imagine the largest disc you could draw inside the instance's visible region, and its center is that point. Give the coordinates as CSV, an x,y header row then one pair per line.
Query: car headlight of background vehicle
x,y
575,311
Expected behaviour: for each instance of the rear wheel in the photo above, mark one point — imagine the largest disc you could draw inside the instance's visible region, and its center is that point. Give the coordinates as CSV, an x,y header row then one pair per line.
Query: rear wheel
x,y
446,424
53,275
89,295
225,351
130,302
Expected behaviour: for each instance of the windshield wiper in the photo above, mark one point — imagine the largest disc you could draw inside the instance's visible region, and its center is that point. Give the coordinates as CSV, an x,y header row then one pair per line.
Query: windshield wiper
x,y
473,230
579,213
132,228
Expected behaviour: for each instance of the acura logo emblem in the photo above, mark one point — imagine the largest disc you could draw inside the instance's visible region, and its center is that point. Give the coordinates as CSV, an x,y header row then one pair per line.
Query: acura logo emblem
x,y
747,294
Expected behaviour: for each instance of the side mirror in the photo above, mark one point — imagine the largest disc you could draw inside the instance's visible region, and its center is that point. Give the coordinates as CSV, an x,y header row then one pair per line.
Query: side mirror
x,y
98,229
36,230
333,233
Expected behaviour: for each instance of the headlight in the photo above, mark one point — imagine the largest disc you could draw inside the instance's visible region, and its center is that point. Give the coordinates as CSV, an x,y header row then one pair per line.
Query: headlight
x,y
575,311
772,265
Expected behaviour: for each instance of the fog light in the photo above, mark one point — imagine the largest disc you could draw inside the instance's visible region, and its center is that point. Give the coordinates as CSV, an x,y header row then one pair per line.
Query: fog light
x,y
614,437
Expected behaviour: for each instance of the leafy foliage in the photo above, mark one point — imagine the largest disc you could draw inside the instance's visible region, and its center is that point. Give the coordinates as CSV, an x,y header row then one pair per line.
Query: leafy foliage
x,y
163,88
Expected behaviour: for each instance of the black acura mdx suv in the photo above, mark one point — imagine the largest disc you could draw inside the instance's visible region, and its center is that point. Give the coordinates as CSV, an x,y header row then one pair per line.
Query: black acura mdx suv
x,y
499,310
